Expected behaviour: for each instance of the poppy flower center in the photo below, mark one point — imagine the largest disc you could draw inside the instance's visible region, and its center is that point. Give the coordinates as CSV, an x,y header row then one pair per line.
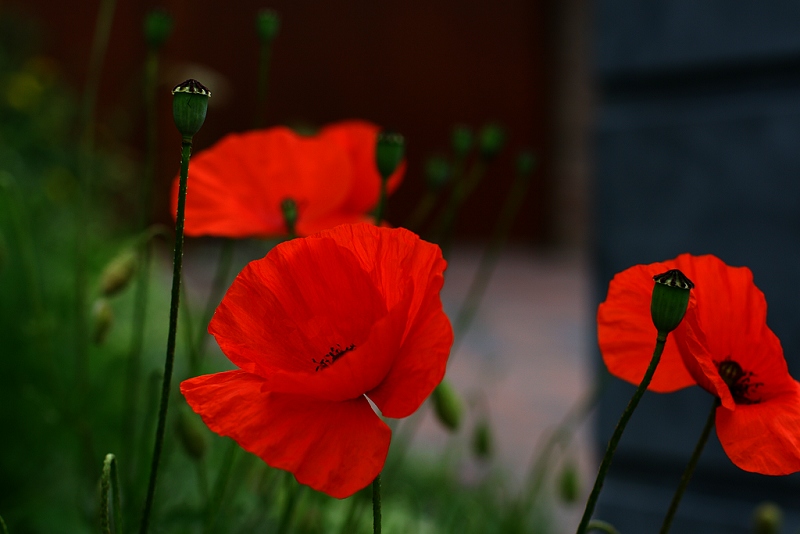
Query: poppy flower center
x,y
739,382
334,354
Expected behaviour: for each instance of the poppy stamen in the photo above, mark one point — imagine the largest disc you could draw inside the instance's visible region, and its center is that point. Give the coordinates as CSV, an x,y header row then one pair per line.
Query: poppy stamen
x,y
739,381
334,354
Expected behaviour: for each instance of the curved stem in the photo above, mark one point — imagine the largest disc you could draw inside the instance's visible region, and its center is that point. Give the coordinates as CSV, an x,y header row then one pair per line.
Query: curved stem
x,y
661,339
687,473
602,526
186,151
376,505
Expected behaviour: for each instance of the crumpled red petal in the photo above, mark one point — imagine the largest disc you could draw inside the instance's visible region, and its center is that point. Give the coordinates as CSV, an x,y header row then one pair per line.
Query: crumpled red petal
x,y
334,447
765,437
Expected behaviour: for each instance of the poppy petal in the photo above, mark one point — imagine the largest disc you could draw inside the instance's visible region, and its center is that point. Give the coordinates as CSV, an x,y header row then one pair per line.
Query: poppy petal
x,y
359,139
290,308
733,309
627,336
764,437
236,187
420,364
334,447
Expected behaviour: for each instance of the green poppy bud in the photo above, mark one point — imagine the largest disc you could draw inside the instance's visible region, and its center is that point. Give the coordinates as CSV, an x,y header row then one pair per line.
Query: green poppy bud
x,y
191,434
289,209
447,405
482,445
526,162
102,320
157,27
267,24
569,484
119,272
670,300
189,106
462,141
389,152
492,139
437,172
767,518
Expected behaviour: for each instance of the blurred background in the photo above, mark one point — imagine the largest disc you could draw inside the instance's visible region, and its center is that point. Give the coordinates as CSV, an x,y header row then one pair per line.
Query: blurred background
x,y
660,128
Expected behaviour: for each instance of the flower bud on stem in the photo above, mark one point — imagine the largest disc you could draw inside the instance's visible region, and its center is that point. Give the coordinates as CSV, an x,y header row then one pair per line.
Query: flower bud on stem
x,y
389,151
190,102
668,306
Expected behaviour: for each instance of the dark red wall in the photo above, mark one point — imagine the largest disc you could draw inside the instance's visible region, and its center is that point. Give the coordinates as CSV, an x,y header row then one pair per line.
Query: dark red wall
x,y
416,66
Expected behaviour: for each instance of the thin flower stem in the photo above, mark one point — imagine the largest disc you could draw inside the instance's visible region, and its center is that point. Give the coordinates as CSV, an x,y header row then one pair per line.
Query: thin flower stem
x,y
134,364
220,484
445,223
661,339
380,212
602,526
102,32
489,258
687,473
264,60
290,505
110,480
186,152
376,505
422,211
3,526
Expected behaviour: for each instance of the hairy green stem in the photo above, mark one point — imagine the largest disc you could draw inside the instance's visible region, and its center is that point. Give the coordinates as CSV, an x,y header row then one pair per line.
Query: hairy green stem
x,y
186,152
620,428
687,473
380,212
376,505
110,480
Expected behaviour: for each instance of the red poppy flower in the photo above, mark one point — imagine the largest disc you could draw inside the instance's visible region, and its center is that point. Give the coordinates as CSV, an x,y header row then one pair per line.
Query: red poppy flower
x,y
319,328
723,345
237,186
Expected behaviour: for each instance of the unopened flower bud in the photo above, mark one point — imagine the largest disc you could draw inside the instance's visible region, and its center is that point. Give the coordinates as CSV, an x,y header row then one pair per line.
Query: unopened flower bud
x,y
482,445
190,435
462,141
447,405
569,485
437,172
492,139
119,272
157,27
102,320
189,106
767,518
526,163
267,24
670,300
289,209
389,152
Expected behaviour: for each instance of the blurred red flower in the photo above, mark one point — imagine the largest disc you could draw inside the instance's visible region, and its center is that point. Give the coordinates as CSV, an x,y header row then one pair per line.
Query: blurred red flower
x,y
318,328
723,345
236,187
